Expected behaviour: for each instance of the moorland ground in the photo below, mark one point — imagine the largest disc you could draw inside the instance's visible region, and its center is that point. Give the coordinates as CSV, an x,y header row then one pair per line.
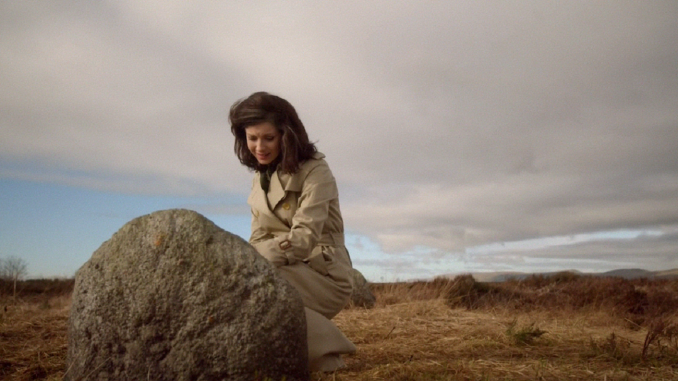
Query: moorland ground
x,y
562,327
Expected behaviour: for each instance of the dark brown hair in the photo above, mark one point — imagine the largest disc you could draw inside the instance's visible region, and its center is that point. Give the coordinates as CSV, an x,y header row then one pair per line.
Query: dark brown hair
x,y
261,107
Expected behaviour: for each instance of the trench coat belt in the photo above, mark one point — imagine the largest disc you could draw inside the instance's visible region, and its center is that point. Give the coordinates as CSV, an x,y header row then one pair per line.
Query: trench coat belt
x,y
331,239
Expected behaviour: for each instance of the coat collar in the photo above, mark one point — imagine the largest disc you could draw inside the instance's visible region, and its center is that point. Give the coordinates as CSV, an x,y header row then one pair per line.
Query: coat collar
x,y
281,183
259,203
276,192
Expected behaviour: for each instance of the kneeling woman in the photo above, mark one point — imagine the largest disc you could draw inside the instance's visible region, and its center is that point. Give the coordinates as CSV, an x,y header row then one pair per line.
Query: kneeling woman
x,y
296,222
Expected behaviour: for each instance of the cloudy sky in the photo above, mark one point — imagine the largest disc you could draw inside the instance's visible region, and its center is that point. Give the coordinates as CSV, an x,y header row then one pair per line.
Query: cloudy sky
x,y
465,136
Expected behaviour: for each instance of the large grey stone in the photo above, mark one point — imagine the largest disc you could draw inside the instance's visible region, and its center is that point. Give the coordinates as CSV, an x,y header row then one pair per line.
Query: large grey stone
x,y
171,296
361,296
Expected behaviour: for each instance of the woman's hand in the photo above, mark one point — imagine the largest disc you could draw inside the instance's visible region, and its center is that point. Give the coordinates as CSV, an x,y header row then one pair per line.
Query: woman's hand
x,y
267,249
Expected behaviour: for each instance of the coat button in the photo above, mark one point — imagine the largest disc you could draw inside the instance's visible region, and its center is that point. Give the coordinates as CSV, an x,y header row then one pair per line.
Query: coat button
x,y
286,206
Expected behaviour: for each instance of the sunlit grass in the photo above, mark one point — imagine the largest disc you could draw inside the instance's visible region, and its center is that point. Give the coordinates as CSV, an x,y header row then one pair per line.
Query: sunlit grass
x,y
573,328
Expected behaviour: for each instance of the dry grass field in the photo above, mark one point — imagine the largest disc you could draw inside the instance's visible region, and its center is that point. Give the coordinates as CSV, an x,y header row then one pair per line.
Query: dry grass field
x,y
563,327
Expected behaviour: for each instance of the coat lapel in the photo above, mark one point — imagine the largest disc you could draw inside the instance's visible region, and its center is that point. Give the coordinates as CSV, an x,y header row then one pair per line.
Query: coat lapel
x,y
260,203
275,191
257,198
280,184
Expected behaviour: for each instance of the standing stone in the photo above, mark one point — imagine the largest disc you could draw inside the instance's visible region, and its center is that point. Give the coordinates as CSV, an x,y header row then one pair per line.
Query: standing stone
x,y
361,296
171,296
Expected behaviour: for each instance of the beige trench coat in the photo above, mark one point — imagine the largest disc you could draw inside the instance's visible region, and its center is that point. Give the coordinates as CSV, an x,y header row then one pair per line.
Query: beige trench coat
x,y
298,227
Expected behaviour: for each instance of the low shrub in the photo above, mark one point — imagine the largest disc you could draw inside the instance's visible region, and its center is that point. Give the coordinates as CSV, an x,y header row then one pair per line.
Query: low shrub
x,y
525,335
32,287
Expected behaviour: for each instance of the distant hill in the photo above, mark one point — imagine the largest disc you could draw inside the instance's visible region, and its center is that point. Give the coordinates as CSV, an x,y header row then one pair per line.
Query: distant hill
x,y
621,273
629,273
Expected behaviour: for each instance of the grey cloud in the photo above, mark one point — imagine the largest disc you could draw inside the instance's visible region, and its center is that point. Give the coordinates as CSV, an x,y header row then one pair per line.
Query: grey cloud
x,y
448,125
648,252
91,90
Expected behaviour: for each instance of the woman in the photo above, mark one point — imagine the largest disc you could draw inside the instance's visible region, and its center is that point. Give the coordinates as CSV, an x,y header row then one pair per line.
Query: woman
x,y
296,221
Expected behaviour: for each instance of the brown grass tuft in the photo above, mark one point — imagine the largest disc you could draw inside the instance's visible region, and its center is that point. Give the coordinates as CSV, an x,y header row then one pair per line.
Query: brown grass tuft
x,y
33,338
662,337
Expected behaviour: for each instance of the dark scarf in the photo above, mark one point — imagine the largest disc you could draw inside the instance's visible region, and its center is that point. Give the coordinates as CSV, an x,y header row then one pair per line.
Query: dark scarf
x,y
265,177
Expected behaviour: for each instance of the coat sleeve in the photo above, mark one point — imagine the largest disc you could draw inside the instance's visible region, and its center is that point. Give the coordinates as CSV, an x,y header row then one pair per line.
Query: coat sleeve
x,y
259,234
318,190
265,244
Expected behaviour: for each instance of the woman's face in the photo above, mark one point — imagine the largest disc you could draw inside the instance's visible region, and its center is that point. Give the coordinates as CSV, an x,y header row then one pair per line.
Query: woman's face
x,y
263,140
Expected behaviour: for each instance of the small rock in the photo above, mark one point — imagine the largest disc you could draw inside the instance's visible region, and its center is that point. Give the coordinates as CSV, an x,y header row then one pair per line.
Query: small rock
x,y
361,296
